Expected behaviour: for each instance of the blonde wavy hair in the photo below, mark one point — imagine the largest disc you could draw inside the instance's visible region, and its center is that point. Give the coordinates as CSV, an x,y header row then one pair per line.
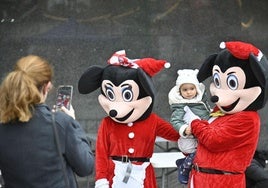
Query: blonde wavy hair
x,y
21,89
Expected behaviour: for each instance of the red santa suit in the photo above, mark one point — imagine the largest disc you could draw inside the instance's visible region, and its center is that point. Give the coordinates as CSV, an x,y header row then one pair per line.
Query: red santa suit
x,y
133,140
226,144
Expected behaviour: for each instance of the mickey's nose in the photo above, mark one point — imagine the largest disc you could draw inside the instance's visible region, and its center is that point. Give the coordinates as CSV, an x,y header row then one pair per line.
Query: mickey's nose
x,y
112,113
214,99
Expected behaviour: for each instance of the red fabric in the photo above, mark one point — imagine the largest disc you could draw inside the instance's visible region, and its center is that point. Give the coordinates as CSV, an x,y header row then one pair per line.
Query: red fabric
x,y
119,59
113,140
241,50
151,66
227,143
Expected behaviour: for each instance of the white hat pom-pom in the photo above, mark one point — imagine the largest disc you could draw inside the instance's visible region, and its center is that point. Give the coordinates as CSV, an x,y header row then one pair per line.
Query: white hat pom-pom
x,y
167,65
222,45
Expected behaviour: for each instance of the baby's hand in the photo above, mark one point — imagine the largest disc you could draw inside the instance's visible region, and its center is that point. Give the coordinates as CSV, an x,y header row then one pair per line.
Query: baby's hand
x,y
188,130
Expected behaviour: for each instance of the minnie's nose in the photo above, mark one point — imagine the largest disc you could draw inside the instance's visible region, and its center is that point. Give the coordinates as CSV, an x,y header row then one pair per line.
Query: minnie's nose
x,y
214,99
112,113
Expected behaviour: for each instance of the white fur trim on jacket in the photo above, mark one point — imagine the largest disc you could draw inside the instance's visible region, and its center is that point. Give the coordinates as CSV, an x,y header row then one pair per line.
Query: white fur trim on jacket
x,y
174,95
182,129
102,183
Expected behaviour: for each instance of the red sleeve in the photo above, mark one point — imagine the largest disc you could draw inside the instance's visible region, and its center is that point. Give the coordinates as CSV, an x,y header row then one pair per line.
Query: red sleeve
x,y
223,132
165,130
102,157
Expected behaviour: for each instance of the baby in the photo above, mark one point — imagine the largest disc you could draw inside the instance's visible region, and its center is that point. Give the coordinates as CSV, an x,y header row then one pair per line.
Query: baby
x,y
187,92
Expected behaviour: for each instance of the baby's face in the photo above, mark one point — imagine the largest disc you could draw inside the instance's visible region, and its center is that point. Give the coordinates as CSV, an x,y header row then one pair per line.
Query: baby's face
x,y
188,91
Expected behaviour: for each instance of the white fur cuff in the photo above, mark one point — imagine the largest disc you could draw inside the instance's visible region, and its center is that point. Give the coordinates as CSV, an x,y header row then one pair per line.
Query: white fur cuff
x,y
182,129
102,183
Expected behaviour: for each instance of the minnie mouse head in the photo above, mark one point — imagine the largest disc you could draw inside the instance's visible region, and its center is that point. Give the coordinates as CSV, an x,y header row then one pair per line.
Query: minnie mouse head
x,y
239,77
127,90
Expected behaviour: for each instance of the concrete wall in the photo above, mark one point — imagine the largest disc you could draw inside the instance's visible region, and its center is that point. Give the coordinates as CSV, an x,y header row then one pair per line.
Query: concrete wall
x,y
74,34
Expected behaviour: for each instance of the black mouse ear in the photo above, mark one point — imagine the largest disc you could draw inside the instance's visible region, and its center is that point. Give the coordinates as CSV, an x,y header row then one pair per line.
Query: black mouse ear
x,y
90,79
260,69
146,82
205,70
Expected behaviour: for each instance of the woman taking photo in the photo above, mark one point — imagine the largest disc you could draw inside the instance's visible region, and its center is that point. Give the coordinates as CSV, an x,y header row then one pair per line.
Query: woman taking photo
x,y
29,156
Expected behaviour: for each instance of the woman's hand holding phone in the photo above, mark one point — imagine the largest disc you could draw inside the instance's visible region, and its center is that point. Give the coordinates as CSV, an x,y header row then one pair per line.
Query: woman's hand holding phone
x,y
64,99
70,112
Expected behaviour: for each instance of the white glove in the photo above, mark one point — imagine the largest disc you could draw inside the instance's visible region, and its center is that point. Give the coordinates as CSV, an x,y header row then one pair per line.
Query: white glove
x,y
69,112
102,183
189,116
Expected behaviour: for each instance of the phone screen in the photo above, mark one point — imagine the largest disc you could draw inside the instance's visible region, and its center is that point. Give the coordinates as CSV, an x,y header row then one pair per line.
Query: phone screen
x,y
64,96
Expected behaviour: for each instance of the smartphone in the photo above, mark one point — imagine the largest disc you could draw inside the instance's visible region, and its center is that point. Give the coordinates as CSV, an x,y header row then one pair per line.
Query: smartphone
x,y
64,96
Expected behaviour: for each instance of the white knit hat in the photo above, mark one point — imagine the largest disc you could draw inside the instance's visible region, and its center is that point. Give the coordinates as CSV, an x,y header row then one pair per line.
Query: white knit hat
x,y
187,76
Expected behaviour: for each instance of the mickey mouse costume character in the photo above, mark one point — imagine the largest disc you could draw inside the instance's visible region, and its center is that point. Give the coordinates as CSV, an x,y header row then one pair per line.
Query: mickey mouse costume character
x,y
227,142
126,137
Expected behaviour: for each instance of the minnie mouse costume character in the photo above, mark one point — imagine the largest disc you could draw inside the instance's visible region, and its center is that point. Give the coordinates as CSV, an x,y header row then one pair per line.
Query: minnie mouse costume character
x,y
126,137
227,142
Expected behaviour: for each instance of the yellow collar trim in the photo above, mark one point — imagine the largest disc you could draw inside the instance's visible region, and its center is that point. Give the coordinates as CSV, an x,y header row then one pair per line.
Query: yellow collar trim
x,y
217,114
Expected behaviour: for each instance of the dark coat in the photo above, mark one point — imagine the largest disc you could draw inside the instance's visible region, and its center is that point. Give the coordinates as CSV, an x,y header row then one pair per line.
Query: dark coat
x,y
256,175
29,158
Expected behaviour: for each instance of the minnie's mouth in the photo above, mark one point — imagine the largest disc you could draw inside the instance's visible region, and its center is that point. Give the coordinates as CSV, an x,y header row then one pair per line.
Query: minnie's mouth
x,y
125,117
230,107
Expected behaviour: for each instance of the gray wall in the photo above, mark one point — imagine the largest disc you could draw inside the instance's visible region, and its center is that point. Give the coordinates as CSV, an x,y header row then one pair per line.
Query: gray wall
x,y
74,34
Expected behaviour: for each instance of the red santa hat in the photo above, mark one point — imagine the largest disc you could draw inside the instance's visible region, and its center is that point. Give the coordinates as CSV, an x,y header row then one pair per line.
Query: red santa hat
x,y
241,50
150,65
